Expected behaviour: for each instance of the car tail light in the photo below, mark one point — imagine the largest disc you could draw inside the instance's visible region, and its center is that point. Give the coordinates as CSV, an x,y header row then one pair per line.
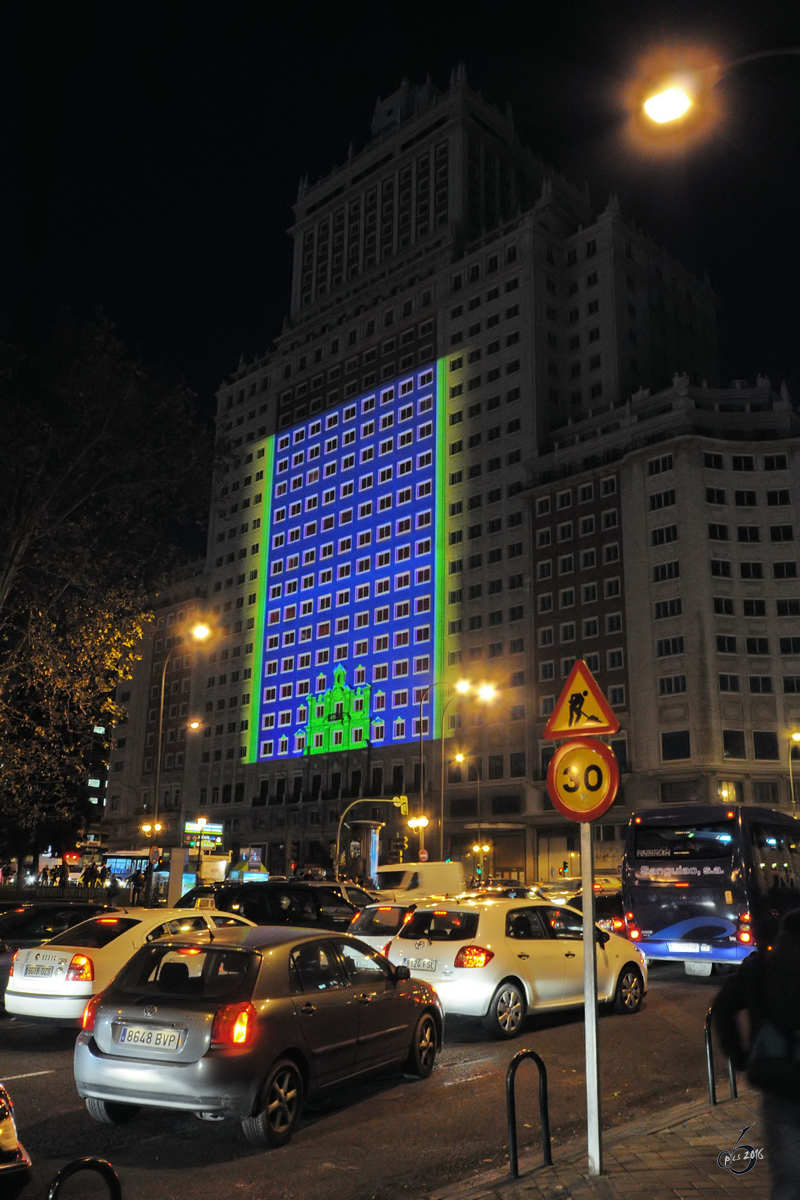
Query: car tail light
x,y
11,967
745,936
631,928
90,1012
473,956
233,1024
617,923
80,970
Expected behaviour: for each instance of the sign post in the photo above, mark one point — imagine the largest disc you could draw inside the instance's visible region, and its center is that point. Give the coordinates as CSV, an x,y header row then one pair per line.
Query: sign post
x,y
582,781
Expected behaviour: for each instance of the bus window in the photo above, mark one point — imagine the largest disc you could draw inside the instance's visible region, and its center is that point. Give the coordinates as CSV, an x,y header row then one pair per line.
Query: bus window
x,y
684,841
776,857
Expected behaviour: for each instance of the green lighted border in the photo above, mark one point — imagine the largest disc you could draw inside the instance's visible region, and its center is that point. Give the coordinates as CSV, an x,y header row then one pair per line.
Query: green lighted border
x,y
440,552
261,600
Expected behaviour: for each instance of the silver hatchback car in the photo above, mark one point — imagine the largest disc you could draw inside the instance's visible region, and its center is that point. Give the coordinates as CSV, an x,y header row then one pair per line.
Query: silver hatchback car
x,y
247,1024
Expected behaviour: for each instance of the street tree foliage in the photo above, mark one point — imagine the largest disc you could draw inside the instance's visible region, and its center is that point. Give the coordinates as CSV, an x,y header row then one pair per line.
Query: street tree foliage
x,y
102,472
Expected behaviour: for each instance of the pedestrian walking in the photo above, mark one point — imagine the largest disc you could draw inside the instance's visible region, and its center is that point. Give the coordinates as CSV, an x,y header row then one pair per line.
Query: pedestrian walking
x,y
63,875
137,882
767,986
44,877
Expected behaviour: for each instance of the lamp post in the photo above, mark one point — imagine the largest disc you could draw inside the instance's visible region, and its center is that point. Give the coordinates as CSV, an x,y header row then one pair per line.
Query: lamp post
x,y
485,692
201,823
200,632
478,764
794,740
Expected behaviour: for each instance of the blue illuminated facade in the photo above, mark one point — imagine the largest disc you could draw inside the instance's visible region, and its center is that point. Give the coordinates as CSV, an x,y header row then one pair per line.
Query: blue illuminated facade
x,y
350,635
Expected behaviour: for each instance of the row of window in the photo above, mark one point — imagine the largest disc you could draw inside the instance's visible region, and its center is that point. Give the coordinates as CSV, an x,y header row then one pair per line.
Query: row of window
x,y
583,494
590,628
608,519
676,745
776,497
615,661
609,553
728,644
746,462
750,533
724,606
759,685
782,569
612,588
495,555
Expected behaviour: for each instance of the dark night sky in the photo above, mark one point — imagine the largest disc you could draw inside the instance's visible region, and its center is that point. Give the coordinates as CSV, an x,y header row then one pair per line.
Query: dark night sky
x,y
155,151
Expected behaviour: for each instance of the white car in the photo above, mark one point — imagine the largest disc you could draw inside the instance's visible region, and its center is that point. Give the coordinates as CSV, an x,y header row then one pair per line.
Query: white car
x,y
503,959
56,980
378,923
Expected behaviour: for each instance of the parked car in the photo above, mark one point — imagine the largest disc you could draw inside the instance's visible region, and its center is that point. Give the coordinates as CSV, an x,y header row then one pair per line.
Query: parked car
x,y
36,922
55,981
249,1025
289,902
502,959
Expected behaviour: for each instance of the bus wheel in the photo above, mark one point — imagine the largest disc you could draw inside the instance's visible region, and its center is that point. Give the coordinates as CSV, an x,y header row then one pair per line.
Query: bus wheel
x,y
630,990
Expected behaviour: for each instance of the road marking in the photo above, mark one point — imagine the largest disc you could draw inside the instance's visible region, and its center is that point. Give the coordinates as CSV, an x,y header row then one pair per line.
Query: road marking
x,y
465,1079
30,1075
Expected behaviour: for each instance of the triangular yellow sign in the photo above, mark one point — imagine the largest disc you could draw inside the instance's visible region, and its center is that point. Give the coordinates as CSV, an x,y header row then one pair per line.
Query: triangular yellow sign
x,y
581,709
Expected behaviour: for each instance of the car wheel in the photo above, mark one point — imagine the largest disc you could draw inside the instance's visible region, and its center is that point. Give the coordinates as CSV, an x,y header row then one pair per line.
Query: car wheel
x,y
507,1010
281,1106
110,1112
630,990
422,1054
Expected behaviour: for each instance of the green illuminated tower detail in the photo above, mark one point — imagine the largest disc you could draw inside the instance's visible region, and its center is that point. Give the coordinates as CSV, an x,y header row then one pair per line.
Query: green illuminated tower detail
x,y
338,719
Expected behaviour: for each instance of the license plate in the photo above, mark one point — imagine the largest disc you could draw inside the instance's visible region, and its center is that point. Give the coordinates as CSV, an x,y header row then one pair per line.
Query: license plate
x,y
39,971
683,947
154,1039
421,964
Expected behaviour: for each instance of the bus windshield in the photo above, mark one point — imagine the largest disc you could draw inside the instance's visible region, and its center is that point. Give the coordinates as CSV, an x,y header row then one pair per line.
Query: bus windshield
x,y
682,841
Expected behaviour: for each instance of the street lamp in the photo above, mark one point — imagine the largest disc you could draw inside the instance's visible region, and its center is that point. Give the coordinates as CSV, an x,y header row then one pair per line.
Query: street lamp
x,y
419,824
201,824
483,849
200,632
678,91
794,740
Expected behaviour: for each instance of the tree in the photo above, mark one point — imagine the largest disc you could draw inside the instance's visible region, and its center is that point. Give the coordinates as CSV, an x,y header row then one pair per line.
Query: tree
x,y
102,469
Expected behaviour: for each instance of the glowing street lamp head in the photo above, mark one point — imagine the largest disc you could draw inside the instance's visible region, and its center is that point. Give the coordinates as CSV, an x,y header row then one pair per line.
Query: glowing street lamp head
x,y
459,758
202,822
201,632
194,724
463,686
796,737
486,692
668,105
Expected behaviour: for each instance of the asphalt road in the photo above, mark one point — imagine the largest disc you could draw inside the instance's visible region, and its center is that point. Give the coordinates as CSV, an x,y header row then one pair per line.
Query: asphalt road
x,y
394,1137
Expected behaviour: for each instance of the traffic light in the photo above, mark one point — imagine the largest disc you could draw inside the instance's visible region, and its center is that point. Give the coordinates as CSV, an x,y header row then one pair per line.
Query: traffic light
x,y
564,868
405,842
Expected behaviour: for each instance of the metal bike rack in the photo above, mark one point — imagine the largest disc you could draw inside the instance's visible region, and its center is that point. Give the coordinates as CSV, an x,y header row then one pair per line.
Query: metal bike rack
x,y
100,1165
544,1115
712,1086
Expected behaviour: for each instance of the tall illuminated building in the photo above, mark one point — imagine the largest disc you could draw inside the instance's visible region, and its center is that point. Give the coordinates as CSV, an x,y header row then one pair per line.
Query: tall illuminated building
x,y
459,315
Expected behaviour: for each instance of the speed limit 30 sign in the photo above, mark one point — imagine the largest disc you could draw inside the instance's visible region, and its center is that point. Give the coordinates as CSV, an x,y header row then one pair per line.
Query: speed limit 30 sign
x,y
583,778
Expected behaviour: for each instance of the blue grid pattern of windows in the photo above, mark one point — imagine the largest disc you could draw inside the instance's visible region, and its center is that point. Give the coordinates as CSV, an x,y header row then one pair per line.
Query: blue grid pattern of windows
x,y
350,575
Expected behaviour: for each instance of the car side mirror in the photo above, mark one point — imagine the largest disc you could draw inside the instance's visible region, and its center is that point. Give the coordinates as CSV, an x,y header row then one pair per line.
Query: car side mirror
x,y
602,936
401,973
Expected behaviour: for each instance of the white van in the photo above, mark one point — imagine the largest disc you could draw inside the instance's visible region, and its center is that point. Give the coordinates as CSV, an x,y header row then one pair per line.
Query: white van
x,y
411,881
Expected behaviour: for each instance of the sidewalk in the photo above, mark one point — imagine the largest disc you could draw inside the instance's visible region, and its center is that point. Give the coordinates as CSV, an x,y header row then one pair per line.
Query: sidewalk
x,y
672,1155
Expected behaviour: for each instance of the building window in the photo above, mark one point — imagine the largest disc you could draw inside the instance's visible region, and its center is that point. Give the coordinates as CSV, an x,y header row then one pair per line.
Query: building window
x,y
675,745
765,745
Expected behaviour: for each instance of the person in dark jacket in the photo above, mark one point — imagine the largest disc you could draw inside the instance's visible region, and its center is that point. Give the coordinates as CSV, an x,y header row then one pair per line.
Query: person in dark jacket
x,y
767,986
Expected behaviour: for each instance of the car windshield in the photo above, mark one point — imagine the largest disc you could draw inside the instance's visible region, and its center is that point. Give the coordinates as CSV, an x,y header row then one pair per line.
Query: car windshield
x,y
98,932
41,920
200,972
386,919
440,925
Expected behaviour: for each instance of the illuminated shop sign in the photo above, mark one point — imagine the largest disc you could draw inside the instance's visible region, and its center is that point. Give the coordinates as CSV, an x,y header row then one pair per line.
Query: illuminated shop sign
x,y
350,575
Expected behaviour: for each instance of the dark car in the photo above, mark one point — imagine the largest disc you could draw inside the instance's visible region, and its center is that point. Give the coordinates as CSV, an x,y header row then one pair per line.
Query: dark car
x,y
34,923
248,1025
286,902
609,912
